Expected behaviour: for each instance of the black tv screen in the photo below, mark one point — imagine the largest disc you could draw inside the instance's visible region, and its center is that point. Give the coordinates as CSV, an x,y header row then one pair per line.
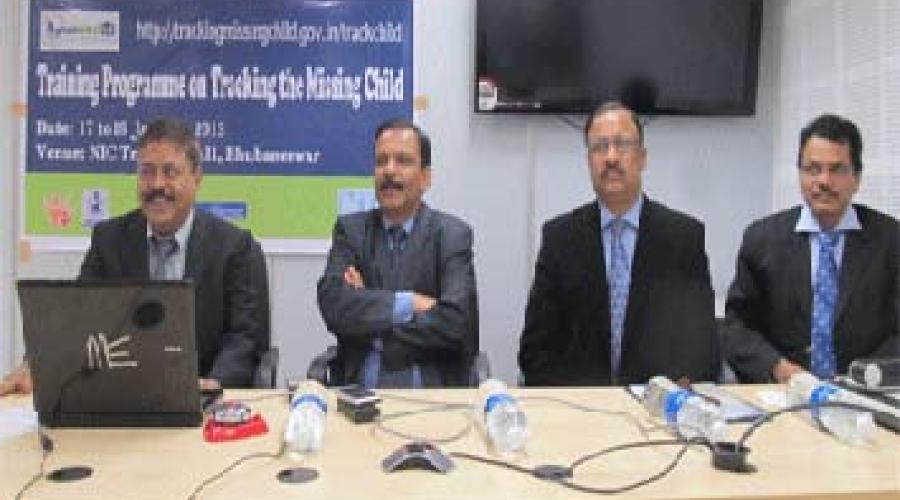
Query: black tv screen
x,y
696,57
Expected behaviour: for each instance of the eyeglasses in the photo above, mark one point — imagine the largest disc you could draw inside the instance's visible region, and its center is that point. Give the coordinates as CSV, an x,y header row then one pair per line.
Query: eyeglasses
x,y
622,145
815,169
400,160
168,171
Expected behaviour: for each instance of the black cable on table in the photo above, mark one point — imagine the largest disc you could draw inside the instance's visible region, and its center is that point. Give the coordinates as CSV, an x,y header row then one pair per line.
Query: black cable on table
x,y
47,447
206,482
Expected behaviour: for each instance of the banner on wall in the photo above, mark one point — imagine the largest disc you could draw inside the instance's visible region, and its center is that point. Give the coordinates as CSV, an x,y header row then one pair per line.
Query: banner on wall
x,y
284,96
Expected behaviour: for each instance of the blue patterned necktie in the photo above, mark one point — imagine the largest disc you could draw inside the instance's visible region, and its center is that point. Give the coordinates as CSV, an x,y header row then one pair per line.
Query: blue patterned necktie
x,y
822,358
618,291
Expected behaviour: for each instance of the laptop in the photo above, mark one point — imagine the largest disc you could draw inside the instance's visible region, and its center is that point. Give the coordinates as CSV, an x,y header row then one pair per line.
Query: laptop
x,y
111,353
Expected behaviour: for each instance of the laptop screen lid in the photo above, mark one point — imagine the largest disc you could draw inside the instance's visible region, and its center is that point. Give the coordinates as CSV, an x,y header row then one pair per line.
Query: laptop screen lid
x,y
111,353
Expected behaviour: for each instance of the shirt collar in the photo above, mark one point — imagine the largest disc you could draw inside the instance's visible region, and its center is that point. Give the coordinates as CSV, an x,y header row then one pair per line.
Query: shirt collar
x,y
632,216
183,232
807,223
407,224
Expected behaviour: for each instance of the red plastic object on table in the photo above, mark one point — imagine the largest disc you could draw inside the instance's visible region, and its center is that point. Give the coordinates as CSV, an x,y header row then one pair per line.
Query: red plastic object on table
x,y
232,421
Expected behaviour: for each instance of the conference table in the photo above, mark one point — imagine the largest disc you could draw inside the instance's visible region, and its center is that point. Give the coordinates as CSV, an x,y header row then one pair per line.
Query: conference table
x,y
793,459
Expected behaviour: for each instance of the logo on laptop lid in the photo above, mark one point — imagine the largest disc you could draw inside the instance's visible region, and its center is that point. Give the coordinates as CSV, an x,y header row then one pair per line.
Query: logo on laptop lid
x,y
103,353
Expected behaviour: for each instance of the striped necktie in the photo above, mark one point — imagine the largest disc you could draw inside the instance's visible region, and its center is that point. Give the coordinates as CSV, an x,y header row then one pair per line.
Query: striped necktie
x,y
162,249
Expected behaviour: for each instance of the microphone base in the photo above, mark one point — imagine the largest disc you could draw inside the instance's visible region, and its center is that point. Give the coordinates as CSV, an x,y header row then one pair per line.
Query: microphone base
x,y
297,475
69,474
728,457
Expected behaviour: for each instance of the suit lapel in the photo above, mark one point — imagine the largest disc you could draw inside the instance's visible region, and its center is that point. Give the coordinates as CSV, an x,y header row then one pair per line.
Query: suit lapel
x,y
414,254
133,252
196,248
587,247
801,279
855,243
641,269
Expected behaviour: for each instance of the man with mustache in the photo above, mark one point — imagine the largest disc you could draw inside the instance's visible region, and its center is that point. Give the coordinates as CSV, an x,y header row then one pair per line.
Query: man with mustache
x,y
816,286
621,287
168,239
398,290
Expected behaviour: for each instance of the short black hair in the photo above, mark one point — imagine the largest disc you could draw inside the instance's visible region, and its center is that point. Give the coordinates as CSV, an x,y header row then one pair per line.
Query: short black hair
x,y
613,106
835,129
175,131
403,123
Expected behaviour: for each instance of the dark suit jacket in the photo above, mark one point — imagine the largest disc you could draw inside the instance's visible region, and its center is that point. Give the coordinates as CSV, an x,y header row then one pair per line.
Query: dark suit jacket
x,y
768,311
217,260
669,322
437,262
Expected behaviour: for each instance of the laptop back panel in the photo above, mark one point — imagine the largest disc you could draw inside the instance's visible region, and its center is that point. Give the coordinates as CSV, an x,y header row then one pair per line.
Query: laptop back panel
x,y
111,353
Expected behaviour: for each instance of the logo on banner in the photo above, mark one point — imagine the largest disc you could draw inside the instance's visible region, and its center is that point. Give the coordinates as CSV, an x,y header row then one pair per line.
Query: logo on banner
x,y
94,206
58,210
79,31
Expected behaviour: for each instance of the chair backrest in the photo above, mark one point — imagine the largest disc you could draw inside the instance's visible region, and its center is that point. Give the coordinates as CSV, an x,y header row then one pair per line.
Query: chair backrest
x,y
259,278
726,373
328,370
266,372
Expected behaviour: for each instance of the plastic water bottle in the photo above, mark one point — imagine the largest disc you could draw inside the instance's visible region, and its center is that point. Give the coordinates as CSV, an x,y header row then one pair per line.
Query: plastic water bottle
x,y
306,422
684,411
504,421
852,426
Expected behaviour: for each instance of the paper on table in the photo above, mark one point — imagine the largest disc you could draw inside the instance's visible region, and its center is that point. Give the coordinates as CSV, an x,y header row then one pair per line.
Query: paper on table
x,y
17,421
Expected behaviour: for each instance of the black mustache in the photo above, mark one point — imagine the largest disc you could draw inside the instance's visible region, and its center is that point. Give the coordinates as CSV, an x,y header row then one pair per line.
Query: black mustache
x,y
613,167
826,191
153,194
390,184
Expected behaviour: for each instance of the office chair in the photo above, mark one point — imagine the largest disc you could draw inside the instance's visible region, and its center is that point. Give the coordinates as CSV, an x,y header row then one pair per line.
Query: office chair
x,y
327,370
726,373
265,375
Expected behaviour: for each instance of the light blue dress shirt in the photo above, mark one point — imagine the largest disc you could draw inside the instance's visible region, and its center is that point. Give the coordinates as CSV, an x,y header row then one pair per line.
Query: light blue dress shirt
x,y
807,223
403,299
176,263
632,218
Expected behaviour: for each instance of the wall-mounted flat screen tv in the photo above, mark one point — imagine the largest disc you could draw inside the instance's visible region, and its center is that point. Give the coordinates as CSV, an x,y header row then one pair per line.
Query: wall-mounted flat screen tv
x,y
677,57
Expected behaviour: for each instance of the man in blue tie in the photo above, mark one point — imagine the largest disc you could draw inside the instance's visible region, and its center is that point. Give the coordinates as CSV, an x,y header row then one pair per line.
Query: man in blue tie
x,y
398,291
816,286
621,287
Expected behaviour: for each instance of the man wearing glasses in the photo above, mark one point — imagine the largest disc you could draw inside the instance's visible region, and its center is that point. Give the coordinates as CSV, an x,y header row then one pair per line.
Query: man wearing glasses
x,y
621,287
398,290
816,286
167,239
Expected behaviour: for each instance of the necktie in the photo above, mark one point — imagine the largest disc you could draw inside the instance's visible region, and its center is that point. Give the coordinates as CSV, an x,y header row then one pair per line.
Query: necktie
x,y
618,291
372,375
162,249
396,242
822,358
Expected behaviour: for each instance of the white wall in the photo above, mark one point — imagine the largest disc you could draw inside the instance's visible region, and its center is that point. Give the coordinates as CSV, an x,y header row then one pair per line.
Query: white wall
x,y
841,57
10,60
507,174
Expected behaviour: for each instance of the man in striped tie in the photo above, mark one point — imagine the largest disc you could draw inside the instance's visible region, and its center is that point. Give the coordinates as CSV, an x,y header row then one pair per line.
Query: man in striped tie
x,y
166,238
816,286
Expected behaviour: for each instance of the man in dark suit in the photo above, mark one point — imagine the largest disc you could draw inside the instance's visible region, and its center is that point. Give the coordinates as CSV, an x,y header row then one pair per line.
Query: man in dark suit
x,y
621,288
816,286
398,291
168,239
